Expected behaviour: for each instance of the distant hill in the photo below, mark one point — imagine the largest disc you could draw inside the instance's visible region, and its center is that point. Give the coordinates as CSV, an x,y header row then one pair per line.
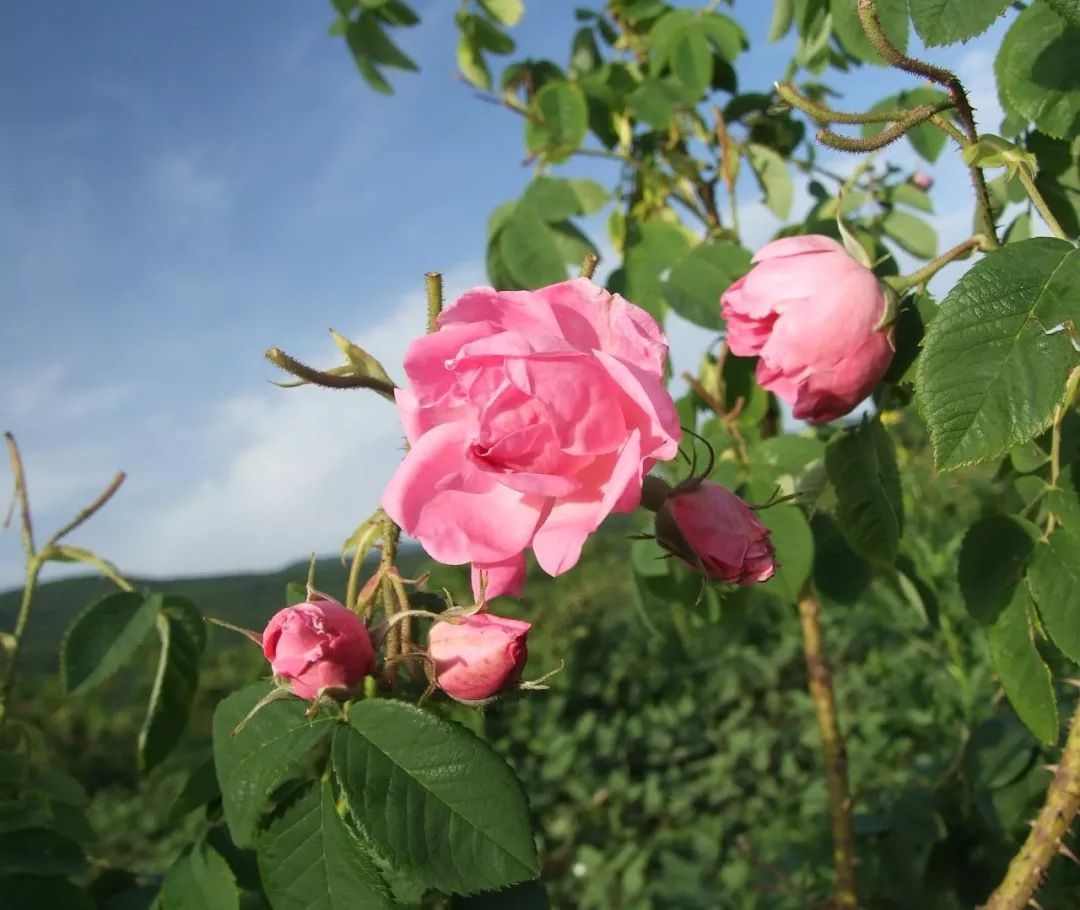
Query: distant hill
x,y
246,600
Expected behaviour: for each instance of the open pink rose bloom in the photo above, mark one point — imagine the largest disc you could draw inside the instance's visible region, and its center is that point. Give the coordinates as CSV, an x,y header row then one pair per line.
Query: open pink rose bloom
x,y
317,646
478,657
531,416
812,315
714,531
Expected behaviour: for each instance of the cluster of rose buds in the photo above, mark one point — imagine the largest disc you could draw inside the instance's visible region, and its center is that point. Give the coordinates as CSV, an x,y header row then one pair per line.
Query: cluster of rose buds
x,y
533,415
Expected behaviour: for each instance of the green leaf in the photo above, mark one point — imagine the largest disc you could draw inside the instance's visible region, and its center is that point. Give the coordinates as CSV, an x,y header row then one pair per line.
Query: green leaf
x,y
571,243
183,637
252,762
584,53
1038,71
1054,579
471,62
200,880
692,61
794,545
489,37
104,637
555,199
557,121
696,281
653,102
989,376
526,896
894,21
993,556
309,858
36,892
908,194
1020,669
1020,229
925,138
508,12
1064,500
40,851
941,22
725,34
1058,178
367,38
591,195
861,464
200,788
773,176
527,250
1069,10
780,24
911,233
651,250
434,798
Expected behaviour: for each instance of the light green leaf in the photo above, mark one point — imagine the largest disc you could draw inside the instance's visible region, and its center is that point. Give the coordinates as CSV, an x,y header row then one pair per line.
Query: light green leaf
x,y
773,176
308,858
894,21
725,34
911,233
528,251
551,198
908,194
68,553
200,880
653,102
104,637
696,281
1020,229
252,762
1054,579
1023,675
508,12
591,195
662,37
557,121
794,545
1038,71
183,637
571,243
434,798
989,376
783,13
861,464
471,63
941,22
1069,10
994,553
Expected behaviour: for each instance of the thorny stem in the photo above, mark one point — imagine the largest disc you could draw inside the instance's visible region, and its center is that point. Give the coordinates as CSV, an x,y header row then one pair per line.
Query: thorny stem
x,y
872,27
914,117
89,511
823,114
1040,203
1045,840
588,266
390,534
433,285
928,271
832,746
328,380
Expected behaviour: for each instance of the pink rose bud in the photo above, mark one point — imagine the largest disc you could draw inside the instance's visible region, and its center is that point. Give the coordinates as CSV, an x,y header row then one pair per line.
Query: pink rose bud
x,y
922,181
478,657
812,315
713,531
531,416
318,646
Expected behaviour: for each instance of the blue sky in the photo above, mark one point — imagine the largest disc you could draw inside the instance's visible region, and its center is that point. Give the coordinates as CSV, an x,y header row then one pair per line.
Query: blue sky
x,y
183,186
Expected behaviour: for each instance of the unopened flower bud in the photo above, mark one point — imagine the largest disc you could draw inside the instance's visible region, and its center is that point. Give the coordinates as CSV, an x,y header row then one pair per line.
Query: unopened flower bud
x,y
479,656
318,646
713,531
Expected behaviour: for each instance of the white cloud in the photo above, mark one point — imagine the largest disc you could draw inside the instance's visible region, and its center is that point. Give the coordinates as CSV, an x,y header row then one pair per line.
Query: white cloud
x,y
191,184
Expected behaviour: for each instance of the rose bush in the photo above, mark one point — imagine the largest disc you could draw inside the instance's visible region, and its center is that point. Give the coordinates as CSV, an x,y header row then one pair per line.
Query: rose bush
x,y
531,415
813,317
479,656
318,646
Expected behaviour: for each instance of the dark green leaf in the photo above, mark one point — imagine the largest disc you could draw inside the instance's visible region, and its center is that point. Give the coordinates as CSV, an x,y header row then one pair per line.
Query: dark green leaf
x,y
490,38
650,252
989,376
653,102
557,121
696,281
692,61
526,896
911,233
993,556
183,637
1054,579
36,892
1023,675
308,858
840,574
201,787
794,545
252,762
893,15
527,250
434,797
941,22
1058,178
869,507
200,880
104,637
367,39
40,851
998,752
1038,71
552,199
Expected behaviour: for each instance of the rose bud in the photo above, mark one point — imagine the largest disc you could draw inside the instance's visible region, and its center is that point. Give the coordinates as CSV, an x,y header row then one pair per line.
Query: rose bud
x,y
922,180
714,532
318,646
813,316
479,656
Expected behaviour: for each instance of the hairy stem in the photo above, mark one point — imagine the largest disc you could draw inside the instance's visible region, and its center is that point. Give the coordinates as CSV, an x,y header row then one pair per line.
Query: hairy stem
x,y
832,745
871,25
328,380
890,134
90,510
588,265
433,285
824,114
928,271
1045,840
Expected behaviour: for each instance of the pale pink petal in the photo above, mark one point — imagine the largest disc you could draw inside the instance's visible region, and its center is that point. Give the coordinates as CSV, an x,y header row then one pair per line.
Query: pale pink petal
x,y
650,409
506,578
795,246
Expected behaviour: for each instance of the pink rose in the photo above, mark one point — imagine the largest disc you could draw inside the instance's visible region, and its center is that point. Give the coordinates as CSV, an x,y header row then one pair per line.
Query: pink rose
x,y
812,315
531,416
922,180
478,657
716,533
318,645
